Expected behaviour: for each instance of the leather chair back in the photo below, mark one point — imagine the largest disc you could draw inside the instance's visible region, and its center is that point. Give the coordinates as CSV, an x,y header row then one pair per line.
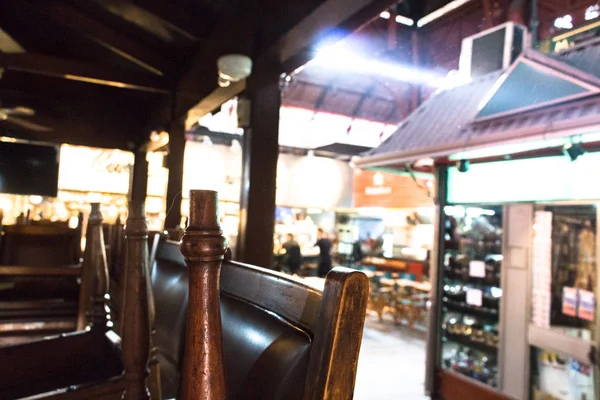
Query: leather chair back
x,y
268,325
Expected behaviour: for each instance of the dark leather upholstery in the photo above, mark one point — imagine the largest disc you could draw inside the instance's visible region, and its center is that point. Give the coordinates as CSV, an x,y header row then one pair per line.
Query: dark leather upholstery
x,y
265,356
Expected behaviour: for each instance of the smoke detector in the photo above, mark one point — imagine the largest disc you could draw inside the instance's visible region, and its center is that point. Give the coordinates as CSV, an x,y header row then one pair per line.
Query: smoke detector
x,y
233,68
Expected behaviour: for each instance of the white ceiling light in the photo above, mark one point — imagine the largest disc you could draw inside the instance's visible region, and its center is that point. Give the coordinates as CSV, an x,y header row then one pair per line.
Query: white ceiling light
x,y
401,19
453,5
564,22
592,12
338,58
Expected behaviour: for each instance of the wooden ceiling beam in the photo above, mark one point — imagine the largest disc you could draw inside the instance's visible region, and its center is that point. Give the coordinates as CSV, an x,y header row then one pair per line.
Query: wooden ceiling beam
x,y
121,46
80,71
177,20
87,122
331,17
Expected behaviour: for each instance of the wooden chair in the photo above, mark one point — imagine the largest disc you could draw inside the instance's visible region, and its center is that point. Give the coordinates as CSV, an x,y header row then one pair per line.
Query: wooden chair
x,y
40,245
39,287
94,363
263,335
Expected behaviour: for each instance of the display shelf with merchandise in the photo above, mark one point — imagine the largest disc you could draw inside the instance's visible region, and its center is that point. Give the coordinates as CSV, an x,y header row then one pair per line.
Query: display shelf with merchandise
x,y
471,292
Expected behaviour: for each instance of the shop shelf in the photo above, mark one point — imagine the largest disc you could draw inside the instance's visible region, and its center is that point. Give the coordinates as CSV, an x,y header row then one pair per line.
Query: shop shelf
x,y
487,313
465,341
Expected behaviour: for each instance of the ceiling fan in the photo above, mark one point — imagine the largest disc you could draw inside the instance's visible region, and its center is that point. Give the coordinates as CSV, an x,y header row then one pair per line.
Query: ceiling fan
x,y
14,116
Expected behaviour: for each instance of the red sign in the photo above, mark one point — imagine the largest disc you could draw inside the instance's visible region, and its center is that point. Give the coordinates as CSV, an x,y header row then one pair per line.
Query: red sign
x,y
380,189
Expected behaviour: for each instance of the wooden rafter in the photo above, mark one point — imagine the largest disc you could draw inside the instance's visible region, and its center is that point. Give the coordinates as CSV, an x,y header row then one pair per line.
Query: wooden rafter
x,y
101,35
80,71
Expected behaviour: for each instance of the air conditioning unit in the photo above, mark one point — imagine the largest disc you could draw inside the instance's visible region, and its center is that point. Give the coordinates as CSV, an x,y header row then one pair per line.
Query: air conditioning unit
x,y
493,49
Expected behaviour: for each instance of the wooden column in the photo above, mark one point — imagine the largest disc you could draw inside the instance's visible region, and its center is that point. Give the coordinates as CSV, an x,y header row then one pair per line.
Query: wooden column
x,y
175,163
517,11
487,14
139,177
203,247
392,30
259,174
94,281
136,311
416,61
433,356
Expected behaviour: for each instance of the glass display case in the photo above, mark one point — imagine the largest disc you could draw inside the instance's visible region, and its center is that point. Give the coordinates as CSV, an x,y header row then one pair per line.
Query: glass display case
x,y
472,291
563,309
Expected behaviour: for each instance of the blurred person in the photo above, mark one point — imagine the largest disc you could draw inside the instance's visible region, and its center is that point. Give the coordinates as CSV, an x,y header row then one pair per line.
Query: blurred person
x,y
324,245
293,256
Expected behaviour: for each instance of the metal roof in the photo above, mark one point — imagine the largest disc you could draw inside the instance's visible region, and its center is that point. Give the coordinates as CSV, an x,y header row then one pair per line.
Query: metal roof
x,y
452,121
440,119
583,57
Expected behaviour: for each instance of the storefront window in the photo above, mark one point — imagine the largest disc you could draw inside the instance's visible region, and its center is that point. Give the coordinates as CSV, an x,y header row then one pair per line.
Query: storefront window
x,y
472,291
564,269
556,376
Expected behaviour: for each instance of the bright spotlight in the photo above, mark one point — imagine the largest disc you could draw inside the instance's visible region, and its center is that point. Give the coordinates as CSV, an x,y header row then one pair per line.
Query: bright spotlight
x,y
339,58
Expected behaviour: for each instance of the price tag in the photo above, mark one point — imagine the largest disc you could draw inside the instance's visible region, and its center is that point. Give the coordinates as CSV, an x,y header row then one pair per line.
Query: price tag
x,y
587,305
474,297
569,301
477,269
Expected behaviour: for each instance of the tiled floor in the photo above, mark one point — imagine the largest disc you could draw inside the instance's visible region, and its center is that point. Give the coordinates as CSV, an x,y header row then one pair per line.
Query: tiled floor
x,y
391,364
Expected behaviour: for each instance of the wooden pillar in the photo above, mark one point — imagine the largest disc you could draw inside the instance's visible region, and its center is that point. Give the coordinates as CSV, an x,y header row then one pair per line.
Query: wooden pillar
x,y
94,281
517,11
139,177
203,246
175,164
259,174
392,30
136,310
487,14
416,61
433,356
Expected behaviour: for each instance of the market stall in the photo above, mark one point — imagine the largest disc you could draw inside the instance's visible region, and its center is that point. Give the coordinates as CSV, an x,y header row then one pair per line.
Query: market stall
x,y
514,267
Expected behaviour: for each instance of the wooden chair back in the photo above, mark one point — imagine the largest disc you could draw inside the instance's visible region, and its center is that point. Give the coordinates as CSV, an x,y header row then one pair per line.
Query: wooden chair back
x,y
39,294
94,363
261,334
40,245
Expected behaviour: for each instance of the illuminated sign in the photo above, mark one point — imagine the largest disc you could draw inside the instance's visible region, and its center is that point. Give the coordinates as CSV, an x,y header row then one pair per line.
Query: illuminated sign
x,y
534,179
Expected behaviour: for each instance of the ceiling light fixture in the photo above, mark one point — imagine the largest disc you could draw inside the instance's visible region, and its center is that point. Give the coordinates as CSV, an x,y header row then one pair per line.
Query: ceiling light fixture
x,y
564,22
401,19
453,5
339,58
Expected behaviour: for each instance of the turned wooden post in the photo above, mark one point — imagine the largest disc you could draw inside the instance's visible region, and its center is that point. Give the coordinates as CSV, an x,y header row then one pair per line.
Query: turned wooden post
x,y
136,312
94,277
203,247
153,365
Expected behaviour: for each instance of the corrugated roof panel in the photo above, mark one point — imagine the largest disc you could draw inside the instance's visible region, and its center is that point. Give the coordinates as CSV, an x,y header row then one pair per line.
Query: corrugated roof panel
x,y
584,57
440,119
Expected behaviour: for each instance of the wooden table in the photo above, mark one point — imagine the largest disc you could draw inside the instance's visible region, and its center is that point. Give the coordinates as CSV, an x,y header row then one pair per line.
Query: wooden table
x,y
420,286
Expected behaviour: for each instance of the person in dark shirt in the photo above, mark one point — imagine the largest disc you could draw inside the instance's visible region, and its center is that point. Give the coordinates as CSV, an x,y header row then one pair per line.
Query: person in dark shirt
x,y
293,255
325,253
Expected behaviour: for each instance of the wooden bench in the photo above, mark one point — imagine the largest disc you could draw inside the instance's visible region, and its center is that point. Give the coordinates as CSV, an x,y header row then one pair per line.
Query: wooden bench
x,y
94,363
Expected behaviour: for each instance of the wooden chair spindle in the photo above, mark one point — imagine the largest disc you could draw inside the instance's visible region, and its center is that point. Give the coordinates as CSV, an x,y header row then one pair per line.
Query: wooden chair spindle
x,y
94,283
136,310
203,246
